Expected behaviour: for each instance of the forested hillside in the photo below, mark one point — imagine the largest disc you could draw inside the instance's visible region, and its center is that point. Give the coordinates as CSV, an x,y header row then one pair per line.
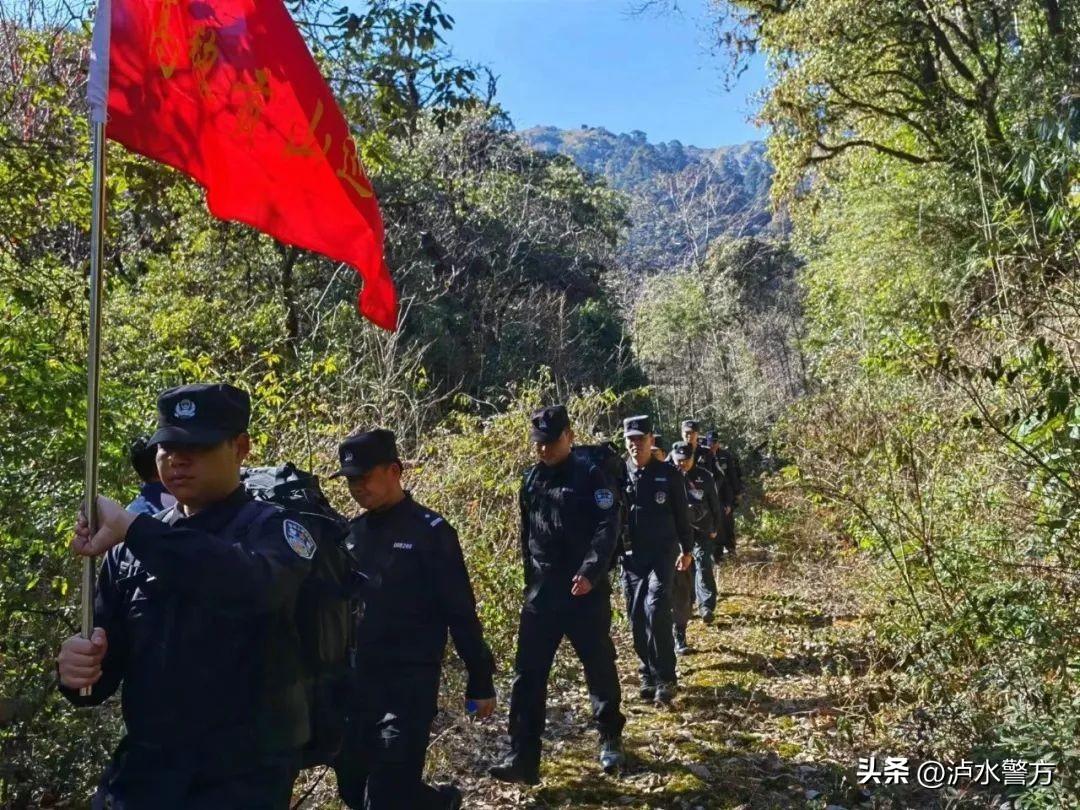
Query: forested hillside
x,y
896,331
681,197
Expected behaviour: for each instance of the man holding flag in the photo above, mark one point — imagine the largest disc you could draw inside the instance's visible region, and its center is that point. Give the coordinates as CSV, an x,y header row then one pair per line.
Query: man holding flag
x,y
194,621
228,93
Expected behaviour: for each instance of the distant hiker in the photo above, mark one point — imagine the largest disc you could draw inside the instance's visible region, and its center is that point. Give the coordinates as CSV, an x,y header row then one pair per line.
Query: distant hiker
x,y
659,451
705,514
659,541
691,434
569,529
152,497
729,487
704,576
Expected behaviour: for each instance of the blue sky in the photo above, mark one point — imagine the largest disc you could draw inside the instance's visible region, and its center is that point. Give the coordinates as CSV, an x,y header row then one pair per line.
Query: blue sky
x,y
571,62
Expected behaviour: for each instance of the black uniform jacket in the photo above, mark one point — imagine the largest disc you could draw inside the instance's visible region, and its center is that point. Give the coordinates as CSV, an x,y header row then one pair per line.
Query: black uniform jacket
x,y
703,458
728,462
658,516
199,617
569,526
418,588
705,510
725,475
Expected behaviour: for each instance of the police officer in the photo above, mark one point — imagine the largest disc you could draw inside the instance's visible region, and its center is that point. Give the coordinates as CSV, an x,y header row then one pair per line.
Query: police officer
x,y
691,434
704,575
194,620
152,497
659,451
417,589
705,516
569,528
658,541
729,487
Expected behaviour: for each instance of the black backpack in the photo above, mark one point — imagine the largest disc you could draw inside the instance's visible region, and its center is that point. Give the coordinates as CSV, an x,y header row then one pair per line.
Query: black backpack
x,y
606,456
325,604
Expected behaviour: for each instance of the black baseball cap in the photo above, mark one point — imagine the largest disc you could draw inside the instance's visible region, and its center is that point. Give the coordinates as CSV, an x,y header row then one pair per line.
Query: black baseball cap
x,y
637,425
201,414
139,450
364,451
691,424
713,436
682,450
549,423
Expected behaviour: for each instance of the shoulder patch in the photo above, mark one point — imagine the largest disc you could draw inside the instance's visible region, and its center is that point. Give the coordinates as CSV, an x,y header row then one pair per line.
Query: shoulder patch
x,y
604,498
299,539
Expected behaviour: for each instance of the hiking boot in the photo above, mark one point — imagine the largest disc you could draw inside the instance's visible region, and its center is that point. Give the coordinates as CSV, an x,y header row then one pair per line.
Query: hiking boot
x,y
611,754
707,617
647,692
451,796
665,693
681,647
514,768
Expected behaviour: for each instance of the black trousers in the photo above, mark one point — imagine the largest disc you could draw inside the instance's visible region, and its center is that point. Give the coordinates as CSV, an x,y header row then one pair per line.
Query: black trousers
x,y
725,537
586,621
729,530
682,597
704,576
143,778
696,583
647,584
387,729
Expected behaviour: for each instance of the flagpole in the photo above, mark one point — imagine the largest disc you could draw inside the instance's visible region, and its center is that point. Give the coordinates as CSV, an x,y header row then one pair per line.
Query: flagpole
x,y
97,92
93,366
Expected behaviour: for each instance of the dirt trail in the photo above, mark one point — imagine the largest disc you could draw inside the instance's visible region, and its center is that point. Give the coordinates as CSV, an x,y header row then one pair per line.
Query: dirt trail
x,y
772,711
767,715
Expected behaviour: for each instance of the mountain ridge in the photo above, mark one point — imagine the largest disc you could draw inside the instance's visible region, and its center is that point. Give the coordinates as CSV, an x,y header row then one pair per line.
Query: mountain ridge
x,y
682,197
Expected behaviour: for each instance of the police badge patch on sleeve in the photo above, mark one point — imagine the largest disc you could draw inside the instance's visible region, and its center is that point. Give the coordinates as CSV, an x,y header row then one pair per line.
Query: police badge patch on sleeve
x,y
299,539
604,498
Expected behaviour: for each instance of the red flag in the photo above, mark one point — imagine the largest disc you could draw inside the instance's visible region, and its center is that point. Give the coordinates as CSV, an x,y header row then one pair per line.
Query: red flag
x,y
227,92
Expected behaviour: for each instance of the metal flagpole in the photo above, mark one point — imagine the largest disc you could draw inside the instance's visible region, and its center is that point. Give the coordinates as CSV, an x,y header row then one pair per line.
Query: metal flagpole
x,y
93,366
97,91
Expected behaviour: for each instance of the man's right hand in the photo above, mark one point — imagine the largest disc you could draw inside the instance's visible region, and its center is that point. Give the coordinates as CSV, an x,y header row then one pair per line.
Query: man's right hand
x,y
114,521
80,659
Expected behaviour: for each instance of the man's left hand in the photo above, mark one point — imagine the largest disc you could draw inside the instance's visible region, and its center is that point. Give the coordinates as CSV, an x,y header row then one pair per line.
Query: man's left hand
x,y
485,707
684,562
581,585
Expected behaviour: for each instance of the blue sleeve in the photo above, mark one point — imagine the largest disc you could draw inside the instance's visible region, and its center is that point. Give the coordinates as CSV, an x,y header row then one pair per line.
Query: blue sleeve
x,y
108,615
258,572
141,506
